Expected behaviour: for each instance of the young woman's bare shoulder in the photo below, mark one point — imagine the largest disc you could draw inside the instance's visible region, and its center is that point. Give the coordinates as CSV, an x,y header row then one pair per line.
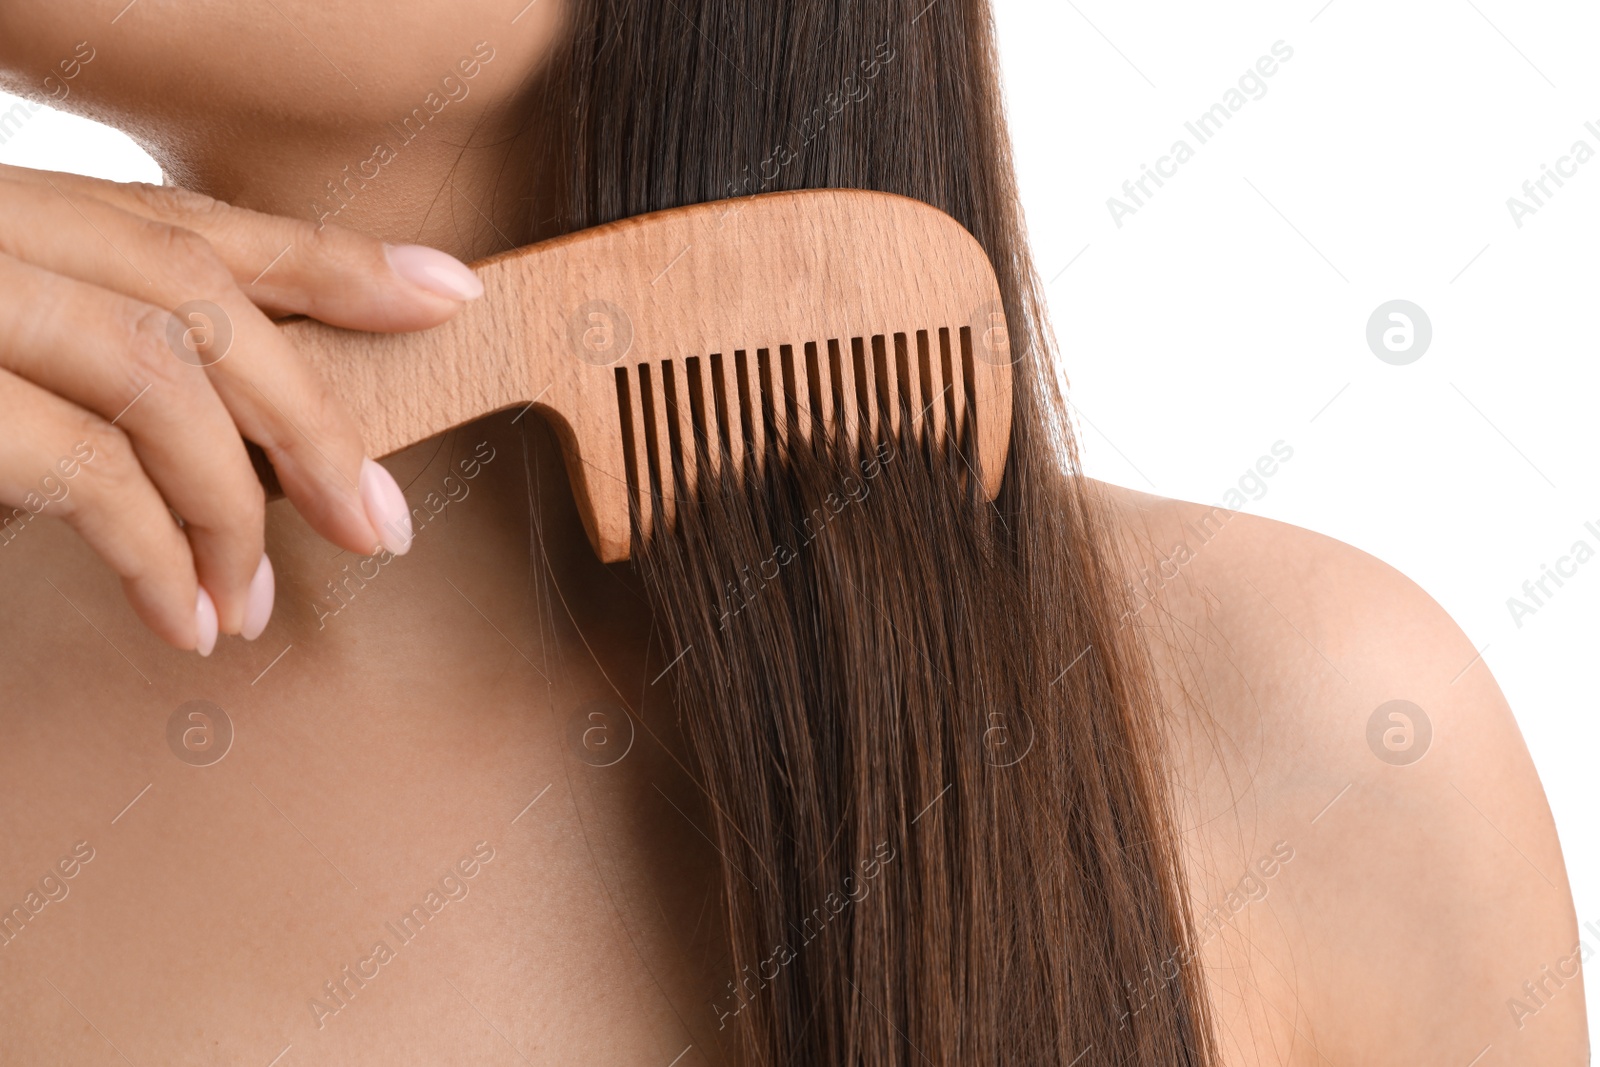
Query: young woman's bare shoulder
x,y
1324,703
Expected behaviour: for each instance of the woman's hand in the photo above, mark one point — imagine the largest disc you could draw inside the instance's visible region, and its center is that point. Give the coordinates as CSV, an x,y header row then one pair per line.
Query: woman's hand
x,y
117,413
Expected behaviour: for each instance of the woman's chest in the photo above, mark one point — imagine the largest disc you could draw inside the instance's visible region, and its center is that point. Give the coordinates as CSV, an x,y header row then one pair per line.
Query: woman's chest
x,y
425,832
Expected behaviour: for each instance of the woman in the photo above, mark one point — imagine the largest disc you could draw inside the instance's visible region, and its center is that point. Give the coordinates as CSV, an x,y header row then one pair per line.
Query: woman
x,y
1083,777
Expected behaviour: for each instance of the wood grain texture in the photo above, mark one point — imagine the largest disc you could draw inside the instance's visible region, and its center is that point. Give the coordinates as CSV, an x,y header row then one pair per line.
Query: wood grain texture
x,y
673,338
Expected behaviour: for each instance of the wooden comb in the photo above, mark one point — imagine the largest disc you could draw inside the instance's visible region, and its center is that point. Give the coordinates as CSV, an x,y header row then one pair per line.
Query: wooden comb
x,y
703,342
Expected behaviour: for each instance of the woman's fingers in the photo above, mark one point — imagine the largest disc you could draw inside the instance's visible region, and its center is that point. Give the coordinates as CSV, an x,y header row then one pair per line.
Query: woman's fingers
x,y
59,460
282,404
293,266
140,308
111,354
272,395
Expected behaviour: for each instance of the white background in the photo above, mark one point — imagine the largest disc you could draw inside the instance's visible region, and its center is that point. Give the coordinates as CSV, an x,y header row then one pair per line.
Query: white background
x,y
1230,310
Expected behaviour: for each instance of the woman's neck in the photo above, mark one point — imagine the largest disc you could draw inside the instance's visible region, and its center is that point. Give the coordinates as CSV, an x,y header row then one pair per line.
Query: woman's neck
x,y
461,180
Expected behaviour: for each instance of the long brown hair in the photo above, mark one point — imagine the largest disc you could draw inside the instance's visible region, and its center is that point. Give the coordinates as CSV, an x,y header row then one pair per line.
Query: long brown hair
x,y
930,753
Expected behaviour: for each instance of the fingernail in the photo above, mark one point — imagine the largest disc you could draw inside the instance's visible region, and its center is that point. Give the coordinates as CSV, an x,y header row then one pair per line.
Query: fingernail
x,y
386,507
258,604
205,621
433,270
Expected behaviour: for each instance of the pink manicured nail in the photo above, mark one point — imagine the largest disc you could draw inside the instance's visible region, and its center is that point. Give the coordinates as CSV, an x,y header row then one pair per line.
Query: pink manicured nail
x,y
205,621
258,605
433,270
386,507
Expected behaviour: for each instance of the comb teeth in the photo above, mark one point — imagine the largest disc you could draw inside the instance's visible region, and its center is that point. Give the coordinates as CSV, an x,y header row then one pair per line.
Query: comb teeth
x,y
641,343
733,414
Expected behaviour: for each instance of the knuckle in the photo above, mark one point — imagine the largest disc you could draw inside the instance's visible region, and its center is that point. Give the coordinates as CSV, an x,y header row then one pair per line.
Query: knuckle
x,y
244,504
190,260
151,358
108,500
29,309
106,457
308,415
320,242
332,243
233,525
321,427
326,415
167,201
233,506
109,442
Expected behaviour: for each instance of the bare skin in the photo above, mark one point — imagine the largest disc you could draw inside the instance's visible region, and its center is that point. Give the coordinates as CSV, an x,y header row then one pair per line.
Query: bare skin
x,y
434,718
1420,895
416,721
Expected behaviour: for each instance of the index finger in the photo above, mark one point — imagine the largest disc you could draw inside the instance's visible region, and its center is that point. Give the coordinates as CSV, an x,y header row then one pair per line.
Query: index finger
x,y
296,266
